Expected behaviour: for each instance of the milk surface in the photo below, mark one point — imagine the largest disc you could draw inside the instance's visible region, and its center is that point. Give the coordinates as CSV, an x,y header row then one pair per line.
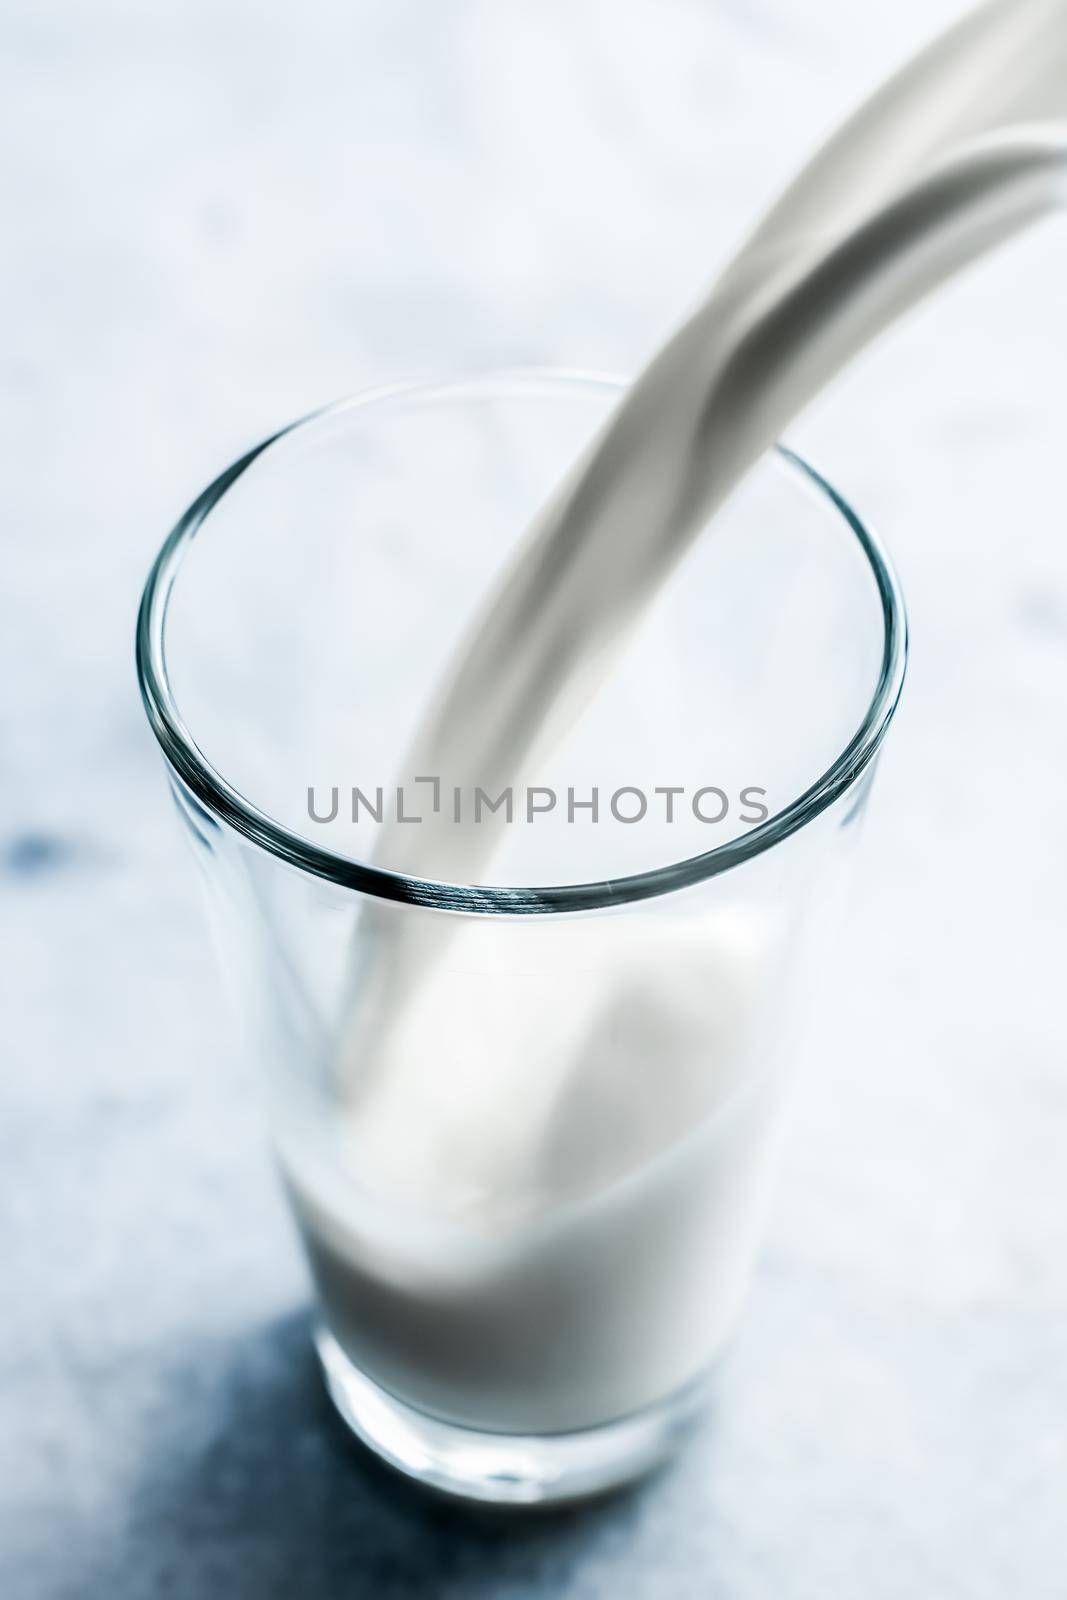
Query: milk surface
x,y
553,1169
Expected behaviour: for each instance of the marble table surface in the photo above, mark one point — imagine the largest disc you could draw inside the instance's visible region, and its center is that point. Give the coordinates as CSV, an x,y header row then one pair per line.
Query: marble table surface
x,y
217,214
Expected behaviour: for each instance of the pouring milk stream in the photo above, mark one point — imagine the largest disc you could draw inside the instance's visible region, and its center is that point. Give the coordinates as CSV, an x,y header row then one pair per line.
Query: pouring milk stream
x,y
543,1157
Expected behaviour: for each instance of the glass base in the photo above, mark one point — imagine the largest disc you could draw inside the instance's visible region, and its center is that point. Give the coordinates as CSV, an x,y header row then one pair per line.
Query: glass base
x,y
501,1468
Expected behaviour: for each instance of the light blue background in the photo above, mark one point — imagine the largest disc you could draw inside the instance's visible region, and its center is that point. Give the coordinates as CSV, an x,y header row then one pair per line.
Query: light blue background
x,y
217,215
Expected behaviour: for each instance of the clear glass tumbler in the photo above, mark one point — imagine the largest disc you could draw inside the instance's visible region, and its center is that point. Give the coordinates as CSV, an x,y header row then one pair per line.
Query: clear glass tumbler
x,y
526,1125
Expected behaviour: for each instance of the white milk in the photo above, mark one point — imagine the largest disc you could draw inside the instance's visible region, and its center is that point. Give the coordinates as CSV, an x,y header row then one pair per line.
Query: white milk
x,y
560,1173
557,1164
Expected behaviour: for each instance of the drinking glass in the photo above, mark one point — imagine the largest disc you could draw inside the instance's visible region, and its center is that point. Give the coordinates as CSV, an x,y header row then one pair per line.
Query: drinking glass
x,y
527,1124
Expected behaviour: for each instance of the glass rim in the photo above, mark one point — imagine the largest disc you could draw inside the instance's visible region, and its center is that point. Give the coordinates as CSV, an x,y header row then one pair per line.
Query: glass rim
x,y
226,805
